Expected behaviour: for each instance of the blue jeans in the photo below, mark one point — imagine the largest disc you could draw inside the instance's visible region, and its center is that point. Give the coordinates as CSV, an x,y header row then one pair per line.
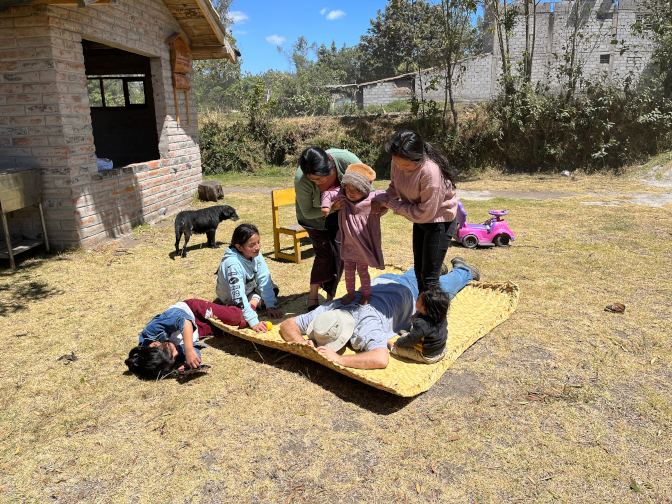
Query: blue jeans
x,y
452,283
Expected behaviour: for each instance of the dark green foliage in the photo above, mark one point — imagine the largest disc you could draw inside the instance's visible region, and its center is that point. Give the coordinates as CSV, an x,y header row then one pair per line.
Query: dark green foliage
x,y
604,127
229,148
245,146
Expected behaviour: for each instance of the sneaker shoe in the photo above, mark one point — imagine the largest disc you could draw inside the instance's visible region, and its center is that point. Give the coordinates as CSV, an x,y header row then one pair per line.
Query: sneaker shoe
x,y
444,269
458,261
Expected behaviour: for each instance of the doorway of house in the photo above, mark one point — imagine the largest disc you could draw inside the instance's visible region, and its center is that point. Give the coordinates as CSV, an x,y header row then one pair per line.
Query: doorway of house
x,y
119,85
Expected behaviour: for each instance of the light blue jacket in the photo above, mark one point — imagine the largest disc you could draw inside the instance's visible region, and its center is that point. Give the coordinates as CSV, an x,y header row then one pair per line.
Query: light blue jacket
x,y
237,277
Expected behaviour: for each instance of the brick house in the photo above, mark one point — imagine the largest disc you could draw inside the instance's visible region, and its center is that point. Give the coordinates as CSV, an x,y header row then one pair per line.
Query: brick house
x,y
78,83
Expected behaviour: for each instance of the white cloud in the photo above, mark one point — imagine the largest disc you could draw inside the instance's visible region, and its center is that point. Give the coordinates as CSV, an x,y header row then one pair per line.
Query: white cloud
x,y
275,39
240,32
335,14
238,17
322,12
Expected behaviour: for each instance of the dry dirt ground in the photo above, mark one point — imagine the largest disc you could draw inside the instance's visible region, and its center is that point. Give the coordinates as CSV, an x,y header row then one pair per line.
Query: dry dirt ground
x,y
564,402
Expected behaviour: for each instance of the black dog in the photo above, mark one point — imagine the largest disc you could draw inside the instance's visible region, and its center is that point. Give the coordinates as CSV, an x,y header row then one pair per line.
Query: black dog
x,y
204,220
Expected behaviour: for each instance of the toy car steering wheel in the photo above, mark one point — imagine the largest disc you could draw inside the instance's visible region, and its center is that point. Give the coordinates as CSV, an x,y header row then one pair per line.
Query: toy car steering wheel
x,y
499,213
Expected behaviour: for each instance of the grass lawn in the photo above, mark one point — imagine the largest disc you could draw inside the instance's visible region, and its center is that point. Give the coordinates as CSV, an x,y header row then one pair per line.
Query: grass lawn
x,y
564,402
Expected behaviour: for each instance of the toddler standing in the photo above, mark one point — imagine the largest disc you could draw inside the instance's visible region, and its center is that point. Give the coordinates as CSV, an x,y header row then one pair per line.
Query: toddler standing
x,y
360,229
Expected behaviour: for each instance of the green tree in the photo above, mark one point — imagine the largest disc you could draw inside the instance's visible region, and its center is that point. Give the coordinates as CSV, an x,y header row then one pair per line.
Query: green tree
x,y
399,40
457,32
215,80
655,23
344,62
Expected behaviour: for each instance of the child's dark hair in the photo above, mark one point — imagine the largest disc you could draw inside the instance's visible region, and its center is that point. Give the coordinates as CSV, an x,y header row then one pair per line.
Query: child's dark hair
x,y
243,233
152,362
409,145
315,161
436,302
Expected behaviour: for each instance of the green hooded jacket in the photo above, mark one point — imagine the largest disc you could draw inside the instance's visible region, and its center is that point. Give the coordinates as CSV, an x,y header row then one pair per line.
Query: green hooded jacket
x,y
308,204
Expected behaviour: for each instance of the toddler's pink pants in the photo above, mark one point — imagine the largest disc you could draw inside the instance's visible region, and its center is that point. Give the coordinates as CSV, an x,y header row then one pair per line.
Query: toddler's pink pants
x,y
364,277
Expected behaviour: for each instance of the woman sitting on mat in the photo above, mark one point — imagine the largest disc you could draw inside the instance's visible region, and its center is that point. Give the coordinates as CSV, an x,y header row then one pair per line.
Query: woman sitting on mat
x,y
243,279
169,338
426,340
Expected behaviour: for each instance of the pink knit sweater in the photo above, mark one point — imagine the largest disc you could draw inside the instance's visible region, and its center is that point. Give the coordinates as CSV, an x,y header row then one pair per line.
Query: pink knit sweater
x,y
361,240
420,195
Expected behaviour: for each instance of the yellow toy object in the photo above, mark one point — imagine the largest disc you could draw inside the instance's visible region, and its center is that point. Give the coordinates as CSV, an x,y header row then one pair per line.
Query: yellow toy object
x,y
269,325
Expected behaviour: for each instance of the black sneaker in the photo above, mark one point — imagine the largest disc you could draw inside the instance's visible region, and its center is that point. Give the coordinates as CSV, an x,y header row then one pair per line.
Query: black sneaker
x,y
444,269
458,261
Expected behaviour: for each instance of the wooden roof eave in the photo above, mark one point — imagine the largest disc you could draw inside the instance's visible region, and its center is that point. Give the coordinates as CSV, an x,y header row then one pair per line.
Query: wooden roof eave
x,y
198,19
202,25
203,52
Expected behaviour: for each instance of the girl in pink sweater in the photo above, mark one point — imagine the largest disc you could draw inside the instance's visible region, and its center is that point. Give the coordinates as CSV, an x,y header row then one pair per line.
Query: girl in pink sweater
x,y
360,228
421,190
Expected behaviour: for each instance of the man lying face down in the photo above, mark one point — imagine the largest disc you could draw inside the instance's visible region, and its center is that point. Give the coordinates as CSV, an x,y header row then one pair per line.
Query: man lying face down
x,y
368,327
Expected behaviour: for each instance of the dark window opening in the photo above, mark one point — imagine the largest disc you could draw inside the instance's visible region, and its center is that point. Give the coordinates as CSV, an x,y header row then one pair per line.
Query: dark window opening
x,y
119,85
643,21
604,58
602,16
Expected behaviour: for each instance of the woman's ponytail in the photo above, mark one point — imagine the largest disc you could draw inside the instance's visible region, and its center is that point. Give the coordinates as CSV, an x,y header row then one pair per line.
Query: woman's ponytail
x,y
435,155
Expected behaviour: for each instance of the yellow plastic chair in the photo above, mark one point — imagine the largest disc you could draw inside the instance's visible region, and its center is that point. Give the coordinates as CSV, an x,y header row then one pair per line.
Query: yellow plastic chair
x,y
280,198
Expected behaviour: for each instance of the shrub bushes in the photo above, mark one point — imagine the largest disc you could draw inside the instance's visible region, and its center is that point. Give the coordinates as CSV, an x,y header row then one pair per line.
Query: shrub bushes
x,y
605,127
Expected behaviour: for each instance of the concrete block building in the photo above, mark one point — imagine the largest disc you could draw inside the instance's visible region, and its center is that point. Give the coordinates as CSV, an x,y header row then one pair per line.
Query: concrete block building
x,y
477,78
600,22
384,91
91,81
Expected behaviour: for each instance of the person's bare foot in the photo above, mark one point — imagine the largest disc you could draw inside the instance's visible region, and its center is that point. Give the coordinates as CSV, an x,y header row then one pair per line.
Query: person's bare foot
x,y
365,300
347,299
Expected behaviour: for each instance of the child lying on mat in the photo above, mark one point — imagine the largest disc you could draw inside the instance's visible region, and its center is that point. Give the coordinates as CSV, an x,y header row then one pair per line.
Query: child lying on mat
x,y
426,341
170,337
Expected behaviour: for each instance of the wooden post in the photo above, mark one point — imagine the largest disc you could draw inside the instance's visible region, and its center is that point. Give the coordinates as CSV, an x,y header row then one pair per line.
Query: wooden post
x,y
44,227
177,108
8,239
186,98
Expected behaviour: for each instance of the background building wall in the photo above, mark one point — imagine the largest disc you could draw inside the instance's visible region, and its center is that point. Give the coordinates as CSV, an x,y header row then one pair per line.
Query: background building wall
x,y
45,120
472,81
478,78
600,22
387,91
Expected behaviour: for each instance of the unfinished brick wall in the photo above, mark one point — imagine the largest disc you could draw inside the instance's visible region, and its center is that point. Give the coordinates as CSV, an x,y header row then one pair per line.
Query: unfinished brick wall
x,y
387,91
600,21
45,120
472,81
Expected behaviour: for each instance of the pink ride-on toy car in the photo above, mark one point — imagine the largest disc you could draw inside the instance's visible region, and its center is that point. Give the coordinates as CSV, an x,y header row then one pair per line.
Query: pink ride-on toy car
x,y
493,232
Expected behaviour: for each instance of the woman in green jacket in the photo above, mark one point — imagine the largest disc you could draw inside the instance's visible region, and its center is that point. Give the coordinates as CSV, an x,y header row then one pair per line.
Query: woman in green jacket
x,y
318,171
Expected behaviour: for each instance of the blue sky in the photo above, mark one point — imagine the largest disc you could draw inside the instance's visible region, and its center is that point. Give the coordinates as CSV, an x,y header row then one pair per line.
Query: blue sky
x,y
261,25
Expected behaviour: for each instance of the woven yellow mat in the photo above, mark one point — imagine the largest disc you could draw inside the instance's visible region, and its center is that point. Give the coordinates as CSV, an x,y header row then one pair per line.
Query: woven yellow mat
x,y
474,312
